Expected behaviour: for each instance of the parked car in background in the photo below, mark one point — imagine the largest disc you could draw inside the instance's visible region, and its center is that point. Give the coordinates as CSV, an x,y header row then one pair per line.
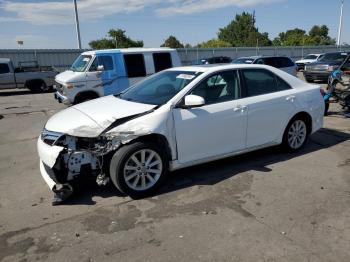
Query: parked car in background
x,y
281,62
320,70
311,58
338,88
99,73
177,118
27,75
213,60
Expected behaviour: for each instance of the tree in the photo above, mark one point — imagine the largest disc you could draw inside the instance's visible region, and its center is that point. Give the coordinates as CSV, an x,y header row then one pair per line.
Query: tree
x,y
214,43
242,32
318,35
115,39
172,42
291,37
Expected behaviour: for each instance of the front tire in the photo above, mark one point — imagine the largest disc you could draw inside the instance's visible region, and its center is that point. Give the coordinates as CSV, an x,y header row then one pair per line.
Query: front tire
x,y
139,169
295,135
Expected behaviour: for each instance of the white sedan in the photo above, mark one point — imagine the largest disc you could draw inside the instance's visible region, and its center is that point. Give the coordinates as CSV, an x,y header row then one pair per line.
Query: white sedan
x,y
174,119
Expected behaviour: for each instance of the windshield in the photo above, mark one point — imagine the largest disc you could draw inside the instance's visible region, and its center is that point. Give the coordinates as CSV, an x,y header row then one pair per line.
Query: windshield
x,y
159,88
243,61
311,57
336,57
81,63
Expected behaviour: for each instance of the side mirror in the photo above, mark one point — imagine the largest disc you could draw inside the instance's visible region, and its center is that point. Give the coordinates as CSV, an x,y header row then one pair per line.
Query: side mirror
x,y
100,68
193,101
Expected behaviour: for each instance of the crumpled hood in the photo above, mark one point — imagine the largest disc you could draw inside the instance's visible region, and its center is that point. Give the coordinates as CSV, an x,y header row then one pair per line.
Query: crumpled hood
x,y
91,118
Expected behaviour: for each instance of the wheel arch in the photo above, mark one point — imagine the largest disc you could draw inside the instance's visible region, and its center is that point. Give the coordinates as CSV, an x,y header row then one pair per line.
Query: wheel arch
x,y
305,116
29,82
157,139
88,93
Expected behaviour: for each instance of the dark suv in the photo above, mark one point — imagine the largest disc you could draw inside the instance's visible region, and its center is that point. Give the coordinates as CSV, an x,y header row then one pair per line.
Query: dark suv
x,y
281,62
321,69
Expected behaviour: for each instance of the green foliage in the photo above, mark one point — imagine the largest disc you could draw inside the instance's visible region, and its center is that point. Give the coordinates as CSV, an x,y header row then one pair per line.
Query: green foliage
x,y
318,35
242,32
214,43
115,39
172,42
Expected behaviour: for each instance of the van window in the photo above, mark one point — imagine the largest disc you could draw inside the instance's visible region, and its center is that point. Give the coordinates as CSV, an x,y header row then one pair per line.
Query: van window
x,y
162,61
4,69
260,82
135,65
104,60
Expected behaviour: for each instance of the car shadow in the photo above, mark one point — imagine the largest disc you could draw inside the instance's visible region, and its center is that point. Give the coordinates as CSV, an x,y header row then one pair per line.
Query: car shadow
x,y
217,171
20,92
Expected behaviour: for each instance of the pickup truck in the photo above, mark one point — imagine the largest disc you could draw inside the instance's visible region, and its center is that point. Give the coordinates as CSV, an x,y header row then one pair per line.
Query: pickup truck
x,y
28,75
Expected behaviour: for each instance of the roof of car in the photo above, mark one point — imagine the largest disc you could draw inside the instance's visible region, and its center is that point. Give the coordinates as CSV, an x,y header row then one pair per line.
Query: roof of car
x,y
215,67
128,50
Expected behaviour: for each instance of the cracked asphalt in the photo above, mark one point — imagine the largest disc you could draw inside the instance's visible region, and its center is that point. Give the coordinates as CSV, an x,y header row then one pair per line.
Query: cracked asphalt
x,y
262,206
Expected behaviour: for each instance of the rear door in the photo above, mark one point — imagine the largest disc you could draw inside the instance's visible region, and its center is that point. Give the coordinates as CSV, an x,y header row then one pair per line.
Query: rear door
x,y
7,78
271,103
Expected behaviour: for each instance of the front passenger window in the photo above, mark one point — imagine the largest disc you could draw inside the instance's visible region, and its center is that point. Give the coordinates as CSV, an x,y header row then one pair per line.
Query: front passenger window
x,y
219,88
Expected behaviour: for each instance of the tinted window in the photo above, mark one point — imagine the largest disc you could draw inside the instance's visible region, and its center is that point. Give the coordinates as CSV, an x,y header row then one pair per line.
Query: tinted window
x,y
271,61
259,82
135,65
162,61
106,61
219,88
311,57
336,57
4,68
283,62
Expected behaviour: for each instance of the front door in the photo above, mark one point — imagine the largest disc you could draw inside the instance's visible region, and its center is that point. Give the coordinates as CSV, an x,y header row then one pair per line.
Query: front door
x,y
104,82
218,127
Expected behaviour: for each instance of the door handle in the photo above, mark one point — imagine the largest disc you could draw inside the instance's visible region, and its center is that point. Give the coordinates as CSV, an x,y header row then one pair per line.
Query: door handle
x,y
290,98
240,108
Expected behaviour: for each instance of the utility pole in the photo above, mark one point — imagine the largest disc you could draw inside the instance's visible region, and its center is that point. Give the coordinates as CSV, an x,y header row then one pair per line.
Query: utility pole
x,y
77,23
340,23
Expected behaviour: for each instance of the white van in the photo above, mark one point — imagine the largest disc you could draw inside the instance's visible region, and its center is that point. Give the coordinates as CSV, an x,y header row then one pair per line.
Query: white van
x,y
104,72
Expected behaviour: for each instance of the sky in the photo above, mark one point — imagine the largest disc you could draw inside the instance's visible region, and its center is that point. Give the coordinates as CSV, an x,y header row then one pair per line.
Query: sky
x,y
51,24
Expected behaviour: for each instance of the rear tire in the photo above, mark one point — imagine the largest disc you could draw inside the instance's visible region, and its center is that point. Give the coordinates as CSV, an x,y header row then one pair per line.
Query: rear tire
x,y
139,169
295,135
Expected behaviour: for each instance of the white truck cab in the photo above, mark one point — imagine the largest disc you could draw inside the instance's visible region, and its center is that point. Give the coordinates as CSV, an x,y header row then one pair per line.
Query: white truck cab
x,y
104,72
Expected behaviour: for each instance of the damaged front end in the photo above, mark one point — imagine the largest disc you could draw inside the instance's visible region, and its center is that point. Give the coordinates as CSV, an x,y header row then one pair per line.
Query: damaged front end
x,y
65,158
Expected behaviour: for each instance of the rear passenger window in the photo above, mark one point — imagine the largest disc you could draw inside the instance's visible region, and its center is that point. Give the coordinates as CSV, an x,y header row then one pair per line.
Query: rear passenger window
x,y
4,68
162,61
260,82
135,65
